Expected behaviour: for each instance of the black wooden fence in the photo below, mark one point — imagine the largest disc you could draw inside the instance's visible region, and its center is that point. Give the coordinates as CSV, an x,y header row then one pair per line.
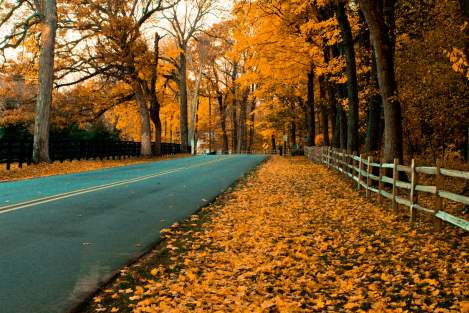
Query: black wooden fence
x,y
20,151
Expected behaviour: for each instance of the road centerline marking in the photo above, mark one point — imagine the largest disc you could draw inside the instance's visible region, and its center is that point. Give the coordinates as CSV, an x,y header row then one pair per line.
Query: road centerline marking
x,y
30,203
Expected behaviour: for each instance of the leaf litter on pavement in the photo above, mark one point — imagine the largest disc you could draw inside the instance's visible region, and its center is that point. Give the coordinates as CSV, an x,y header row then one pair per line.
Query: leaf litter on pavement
x,y
295,237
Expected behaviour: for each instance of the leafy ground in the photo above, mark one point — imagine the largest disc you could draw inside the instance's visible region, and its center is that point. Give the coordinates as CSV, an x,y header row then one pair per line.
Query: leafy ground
x,y
57,168
294,237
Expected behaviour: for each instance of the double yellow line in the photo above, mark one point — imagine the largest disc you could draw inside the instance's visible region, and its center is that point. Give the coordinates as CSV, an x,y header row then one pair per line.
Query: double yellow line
x,y
26,204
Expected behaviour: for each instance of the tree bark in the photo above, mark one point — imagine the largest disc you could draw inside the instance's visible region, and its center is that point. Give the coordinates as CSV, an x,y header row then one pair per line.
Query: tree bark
x,y
242,129
274,144
374,124
343,128
252,117
465,9
292,134
325,125
194,107
310,114
222,108
234,110
183,119
46,80
210,133
155,104
382,45
352,84
335,123
145,129
323,90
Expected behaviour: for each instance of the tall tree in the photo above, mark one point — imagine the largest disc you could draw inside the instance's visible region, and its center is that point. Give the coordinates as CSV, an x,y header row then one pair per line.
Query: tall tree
x,y
310,111
155,104
111,45
374,123
352,83
382,42
465,9
44,14
186,19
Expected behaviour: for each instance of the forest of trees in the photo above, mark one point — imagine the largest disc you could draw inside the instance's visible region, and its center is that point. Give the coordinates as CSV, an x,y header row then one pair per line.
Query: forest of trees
x,y
361,75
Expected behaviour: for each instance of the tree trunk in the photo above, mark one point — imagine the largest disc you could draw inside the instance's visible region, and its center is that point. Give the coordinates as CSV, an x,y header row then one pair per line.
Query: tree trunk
x,y
465,9
292,134
242,129
374,123
210,138
325,125
352,84
310,114
251,125
467,148
234,127
343,128
373,132
379,33
183,120
335,128
145,129
46,80
274,144
194,106
222,109
196,131
155,104
323,88
234,109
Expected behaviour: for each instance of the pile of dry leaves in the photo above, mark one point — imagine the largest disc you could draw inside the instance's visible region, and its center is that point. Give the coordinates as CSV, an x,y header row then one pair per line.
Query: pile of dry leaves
x,y
295,237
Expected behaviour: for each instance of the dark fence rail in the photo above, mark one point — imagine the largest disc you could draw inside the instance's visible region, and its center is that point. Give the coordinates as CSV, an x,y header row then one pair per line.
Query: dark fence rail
x,y
20,151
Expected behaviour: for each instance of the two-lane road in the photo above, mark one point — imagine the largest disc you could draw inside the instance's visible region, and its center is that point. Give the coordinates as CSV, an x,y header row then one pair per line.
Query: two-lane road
x,y
62,236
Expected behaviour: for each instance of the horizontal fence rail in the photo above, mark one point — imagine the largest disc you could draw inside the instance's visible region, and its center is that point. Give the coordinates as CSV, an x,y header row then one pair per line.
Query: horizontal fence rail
x,y
371,176
20,151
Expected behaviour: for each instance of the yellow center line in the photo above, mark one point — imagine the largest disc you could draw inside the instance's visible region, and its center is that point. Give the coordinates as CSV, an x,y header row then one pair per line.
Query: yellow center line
x,y
26,204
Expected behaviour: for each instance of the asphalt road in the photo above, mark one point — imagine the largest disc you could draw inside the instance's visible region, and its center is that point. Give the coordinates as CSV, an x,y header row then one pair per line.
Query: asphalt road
x,y
63,236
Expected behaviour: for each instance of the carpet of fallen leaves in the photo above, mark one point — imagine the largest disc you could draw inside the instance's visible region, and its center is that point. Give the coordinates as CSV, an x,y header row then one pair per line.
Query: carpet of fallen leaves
x,y
67,167
295,237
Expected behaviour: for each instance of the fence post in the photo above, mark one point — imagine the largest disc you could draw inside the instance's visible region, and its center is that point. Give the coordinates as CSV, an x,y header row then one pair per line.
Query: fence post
x,y
9,155
345,162
368,182
380,182
439,182
394,187
360,164
339,160
413,192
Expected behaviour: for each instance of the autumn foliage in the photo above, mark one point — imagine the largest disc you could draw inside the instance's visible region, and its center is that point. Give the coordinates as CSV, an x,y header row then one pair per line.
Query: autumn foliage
x,y
295,238
309,71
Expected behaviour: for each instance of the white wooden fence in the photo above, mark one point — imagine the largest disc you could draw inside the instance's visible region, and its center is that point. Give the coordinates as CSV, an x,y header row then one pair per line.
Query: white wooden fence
x,y
360,169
